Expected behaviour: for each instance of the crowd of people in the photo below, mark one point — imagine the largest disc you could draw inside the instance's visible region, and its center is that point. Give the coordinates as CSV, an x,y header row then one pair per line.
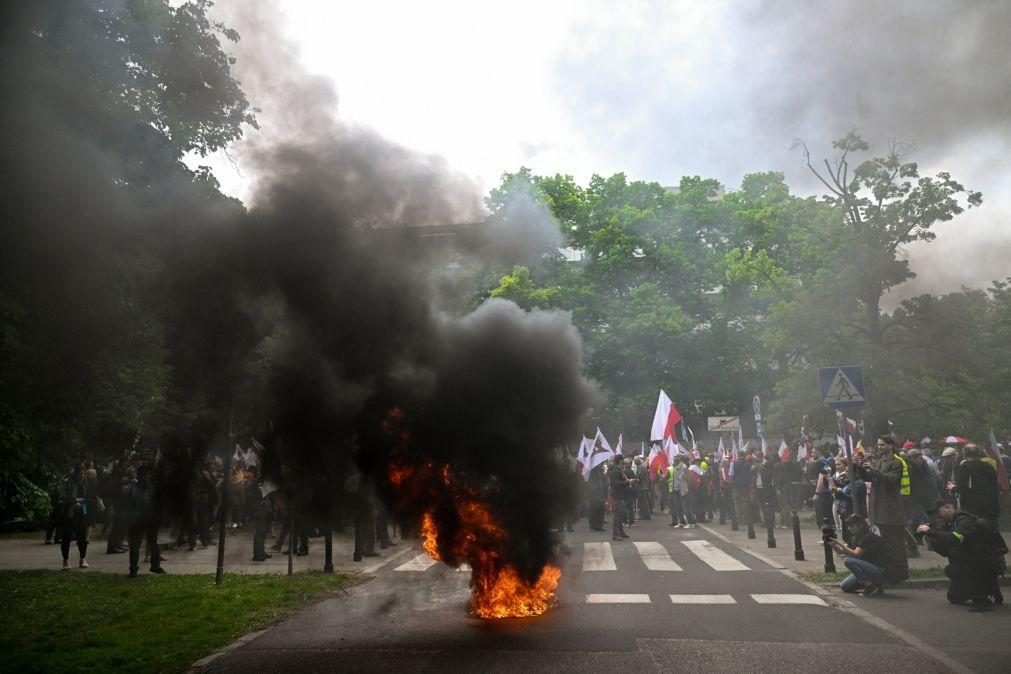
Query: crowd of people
x,y
879,506
143,493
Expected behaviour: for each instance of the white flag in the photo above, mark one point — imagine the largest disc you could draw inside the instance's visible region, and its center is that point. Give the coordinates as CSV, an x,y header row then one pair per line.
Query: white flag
x,y
599,453
618,447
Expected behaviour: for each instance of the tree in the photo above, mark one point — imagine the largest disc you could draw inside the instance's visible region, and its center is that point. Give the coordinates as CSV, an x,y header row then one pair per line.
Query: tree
x,y
104,102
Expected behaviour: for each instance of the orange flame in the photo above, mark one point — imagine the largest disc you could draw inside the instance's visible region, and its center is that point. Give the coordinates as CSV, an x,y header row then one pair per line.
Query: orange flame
x,y
429,536
498,591
497,588
503,594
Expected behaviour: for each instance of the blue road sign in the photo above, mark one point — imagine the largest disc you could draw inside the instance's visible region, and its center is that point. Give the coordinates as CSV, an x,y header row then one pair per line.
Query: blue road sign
x,y
842,386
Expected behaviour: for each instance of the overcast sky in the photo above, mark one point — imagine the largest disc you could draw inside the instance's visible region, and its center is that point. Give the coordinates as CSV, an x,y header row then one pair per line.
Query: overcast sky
x,y
661,90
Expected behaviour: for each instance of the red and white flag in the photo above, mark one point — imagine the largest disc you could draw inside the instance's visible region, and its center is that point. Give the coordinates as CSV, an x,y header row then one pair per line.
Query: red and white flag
x,y
665,419
784,450
803,451
657,460
765,447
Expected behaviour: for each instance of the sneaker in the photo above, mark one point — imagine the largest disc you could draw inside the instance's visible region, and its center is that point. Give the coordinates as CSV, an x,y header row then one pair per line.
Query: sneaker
x,y
66,565
83,564
617,538
873,591
158,569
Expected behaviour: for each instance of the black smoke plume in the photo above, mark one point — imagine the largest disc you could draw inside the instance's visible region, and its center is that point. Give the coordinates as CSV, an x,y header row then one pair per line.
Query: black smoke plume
x,y
327,279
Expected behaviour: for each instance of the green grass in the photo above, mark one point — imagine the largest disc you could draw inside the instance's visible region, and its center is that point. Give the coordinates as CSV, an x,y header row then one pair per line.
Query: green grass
x,y
932,573
53,621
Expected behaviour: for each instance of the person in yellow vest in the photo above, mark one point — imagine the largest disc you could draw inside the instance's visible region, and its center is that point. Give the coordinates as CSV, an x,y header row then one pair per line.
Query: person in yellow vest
x,y
889,478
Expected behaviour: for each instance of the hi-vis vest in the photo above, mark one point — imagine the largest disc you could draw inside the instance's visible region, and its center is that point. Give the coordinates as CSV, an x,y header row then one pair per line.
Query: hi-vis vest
x,y
904,486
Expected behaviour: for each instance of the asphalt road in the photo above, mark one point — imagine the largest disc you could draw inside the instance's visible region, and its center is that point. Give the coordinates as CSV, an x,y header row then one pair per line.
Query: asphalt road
x,y
730,612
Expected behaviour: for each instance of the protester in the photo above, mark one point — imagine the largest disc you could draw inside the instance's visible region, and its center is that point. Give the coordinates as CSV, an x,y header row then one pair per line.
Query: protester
x,y
784,474
597,491
923,493
975,552
839,487
866,560
142,518
889,478
976,485
619,485
631,492
76,504
644,491
741,475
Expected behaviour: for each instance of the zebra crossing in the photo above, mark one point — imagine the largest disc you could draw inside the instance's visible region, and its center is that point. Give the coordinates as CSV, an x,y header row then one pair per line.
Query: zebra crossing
x,y
599,556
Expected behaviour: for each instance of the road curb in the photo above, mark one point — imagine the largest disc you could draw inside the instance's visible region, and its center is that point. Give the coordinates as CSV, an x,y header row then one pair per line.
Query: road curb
x,y
922,584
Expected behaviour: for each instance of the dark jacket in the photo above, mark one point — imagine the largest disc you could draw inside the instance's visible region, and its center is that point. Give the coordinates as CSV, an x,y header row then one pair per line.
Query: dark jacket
x,y
971,545
976,485
885,474
742,474
619,483
922,487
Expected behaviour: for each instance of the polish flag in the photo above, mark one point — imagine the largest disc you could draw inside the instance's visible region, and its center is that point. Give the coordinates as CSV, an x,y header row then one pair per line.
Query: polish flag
x,y
657,461
784,450
803,451
665,419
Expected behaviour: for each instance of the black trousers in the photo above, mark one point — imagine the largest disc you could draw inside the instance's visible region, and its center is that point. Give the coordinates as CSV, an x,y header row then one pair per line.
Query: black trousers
x,y
135,533
971,582
596,514
76,527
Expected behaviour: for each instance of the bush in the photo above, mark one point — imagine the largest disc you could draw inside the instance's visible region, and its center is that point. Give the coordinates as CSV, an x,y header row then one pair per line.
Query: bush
x,y
23,500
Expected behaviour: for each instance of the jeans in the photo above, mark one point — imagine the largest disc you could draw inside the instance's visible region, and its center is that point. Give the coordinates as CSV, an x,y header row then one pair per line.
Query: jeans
x,y
861,573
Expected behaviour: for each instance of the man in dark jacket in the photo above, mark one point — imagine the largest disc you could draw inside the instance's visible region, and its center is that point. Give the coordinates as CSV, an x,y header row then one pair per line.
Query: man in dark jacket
x,y
922,494
887,474
619,492
142,520
597,492
742,480
786,474
976,485
975,555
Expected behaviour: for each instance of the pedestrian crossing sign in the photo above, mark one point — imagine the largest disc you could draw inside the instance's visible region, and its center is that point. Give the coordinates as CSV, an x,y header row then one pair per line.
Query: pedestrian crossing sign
x,y
842,386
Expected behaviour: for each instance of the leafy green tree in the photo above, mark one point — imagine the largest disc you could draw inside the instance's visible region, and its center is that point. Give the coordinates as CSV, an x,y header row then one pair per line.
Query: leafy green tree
x,y
105,100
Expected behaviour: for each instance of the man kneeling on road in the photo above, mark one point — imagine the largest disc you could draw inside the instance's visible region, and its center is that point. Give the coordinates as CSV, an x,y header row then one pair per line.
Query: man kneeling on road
x,y
975,552
866,560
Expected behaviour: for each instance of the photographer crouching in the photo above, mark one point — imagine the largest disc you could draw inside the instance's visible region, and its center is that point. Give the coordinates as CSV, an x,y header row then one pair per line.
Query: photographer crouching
x,y
866,560
975,552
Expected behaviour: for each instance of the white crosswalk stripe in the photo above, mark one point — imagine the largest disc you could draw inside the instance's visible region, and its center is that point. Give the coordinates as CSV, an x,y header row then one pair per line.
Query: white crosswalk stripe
x,y
419,563
598,557
702,599
617,599
811,599
655,556
714,557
